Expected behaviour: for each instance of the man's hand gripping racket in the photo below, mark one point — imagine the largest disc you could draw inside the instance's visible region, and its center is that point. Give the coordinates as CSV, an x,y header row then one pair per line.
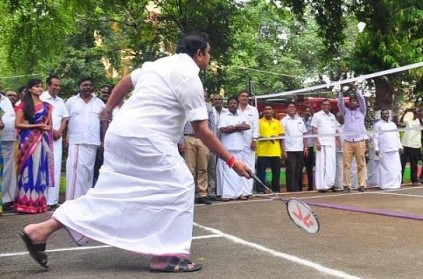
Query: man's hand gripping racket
x,y
298,211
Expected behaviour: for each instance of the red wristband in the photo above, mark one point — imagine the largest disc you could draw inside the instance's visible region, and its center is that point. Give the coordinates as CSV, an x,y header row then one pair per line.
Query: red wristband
x,y
231,162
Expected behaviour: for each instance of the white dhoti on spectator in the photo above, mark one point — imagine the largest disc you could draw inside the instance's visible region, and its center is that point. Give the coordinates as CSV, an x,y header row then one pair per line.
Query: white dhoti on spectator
x,y
389,170
248,156
325,167
79,169
145,208
229,184
53,192
10,187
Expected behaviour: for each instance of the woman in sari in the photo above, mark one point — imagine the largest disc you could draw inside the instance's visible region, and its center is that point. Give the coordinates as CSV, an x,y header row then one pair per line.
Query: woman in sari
x,y
35,157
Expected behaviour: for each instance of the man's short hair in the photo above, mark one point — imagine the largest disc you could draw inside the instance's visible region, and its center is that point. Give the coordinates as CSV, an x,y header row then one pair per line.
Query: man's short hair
x,y
48,80
85,79
192,42
233,98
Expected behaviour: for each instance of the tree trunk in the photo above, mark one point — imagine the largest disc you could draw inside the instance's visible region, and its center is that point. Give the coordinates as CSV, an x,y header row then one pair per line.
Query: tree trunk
x,y
384,93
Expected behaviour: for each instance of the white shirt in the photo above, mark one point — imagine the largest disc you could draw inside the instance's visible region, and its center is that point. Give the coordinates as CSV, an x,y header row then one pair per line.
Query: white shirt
x,y
388,141
8,118
325,124
412,138
294,127
250,113
167,93
217,117
59,109
232,141
84,120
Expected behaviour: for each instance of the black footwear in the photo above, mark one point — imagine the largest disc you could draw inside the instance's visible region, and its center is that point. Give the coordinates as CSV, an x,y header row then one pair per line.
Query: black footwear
x,y
310,189
336,190
215,198
37,251
415,184
361,189
204,200
347,189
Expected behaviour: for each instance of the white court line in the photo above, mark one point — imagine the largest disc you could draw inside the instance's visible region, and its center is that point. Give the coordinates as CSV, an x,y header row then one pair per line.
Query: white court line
x,y
397,194
295,259
3,255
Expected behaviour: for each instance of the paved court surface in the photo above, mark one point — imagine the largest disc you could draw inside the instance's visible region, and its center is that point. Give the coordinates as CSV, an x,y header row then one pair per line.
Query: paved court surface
x,y
377,234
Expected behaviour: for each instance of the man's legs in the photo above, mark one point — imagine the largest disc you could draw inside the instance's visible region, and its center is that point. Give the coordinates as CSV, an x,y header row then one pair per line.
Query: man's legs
x,y
261,172
309,163
79,169
360,158
299,170
275,165
9,171
53,192
202,164
348,152
291,176
414,159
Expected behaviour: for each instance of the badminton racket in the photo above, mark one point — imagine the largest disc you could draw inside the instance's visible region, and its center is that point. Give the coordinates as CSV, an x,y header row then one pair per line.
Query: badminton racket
x,y
298,211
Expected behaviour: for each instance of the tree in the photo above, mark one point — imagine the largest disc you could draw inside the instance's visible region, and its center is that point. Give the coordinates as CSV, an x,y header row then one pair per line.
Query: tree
x,y
392,37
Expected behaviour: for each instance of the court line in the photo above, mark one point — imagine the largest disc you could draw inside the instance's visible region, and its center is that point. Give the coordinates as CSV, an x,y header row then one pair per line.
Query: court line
x,y
4,255
292,258
397,194
404,215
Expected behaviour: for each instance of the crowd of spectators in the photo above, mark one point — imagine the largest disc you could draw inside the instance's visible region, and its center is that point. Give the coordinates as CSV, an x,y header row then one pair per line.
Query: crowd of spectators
x,y
318,150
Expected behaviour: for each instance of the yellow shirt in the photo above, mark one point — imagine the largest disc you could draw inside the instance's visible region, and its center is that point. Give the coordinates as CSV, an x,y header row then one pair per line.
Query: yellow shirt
x,y
267,129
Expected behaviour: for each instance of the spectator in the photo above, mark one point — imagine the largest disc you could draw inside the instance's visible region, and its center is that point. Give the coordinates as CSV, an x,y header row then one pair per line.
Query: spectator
x,y
197,156
232,126
218,109
60,117
8,149
412,143
387,147
250,113
33,119
354,144
310,159
339,177
269,151
294,148
12,96
324,125
84,139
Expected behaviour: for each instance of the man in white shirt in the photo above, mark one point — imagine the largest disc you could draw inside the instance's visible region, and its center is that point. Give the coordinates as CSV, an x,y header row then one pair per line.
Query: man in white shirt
x,y
217,109
250,113
412,143
8,145
387,147
60,117
232,126
293,148
324,125
84,138
143,201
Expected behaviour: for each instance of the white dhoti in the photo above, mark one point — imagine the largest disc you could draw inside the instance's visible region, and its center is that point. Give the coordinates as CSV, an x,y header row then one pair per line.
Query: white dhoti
x,y
79,169
390,171
229,184
145,208
248,156
373,169
9,187
325,167
53,192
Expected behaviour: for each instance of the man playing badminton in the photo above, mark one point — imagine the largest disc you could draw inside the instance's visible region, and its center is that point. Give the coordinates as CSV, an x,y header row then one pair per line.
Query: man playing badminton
x,y
144,198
